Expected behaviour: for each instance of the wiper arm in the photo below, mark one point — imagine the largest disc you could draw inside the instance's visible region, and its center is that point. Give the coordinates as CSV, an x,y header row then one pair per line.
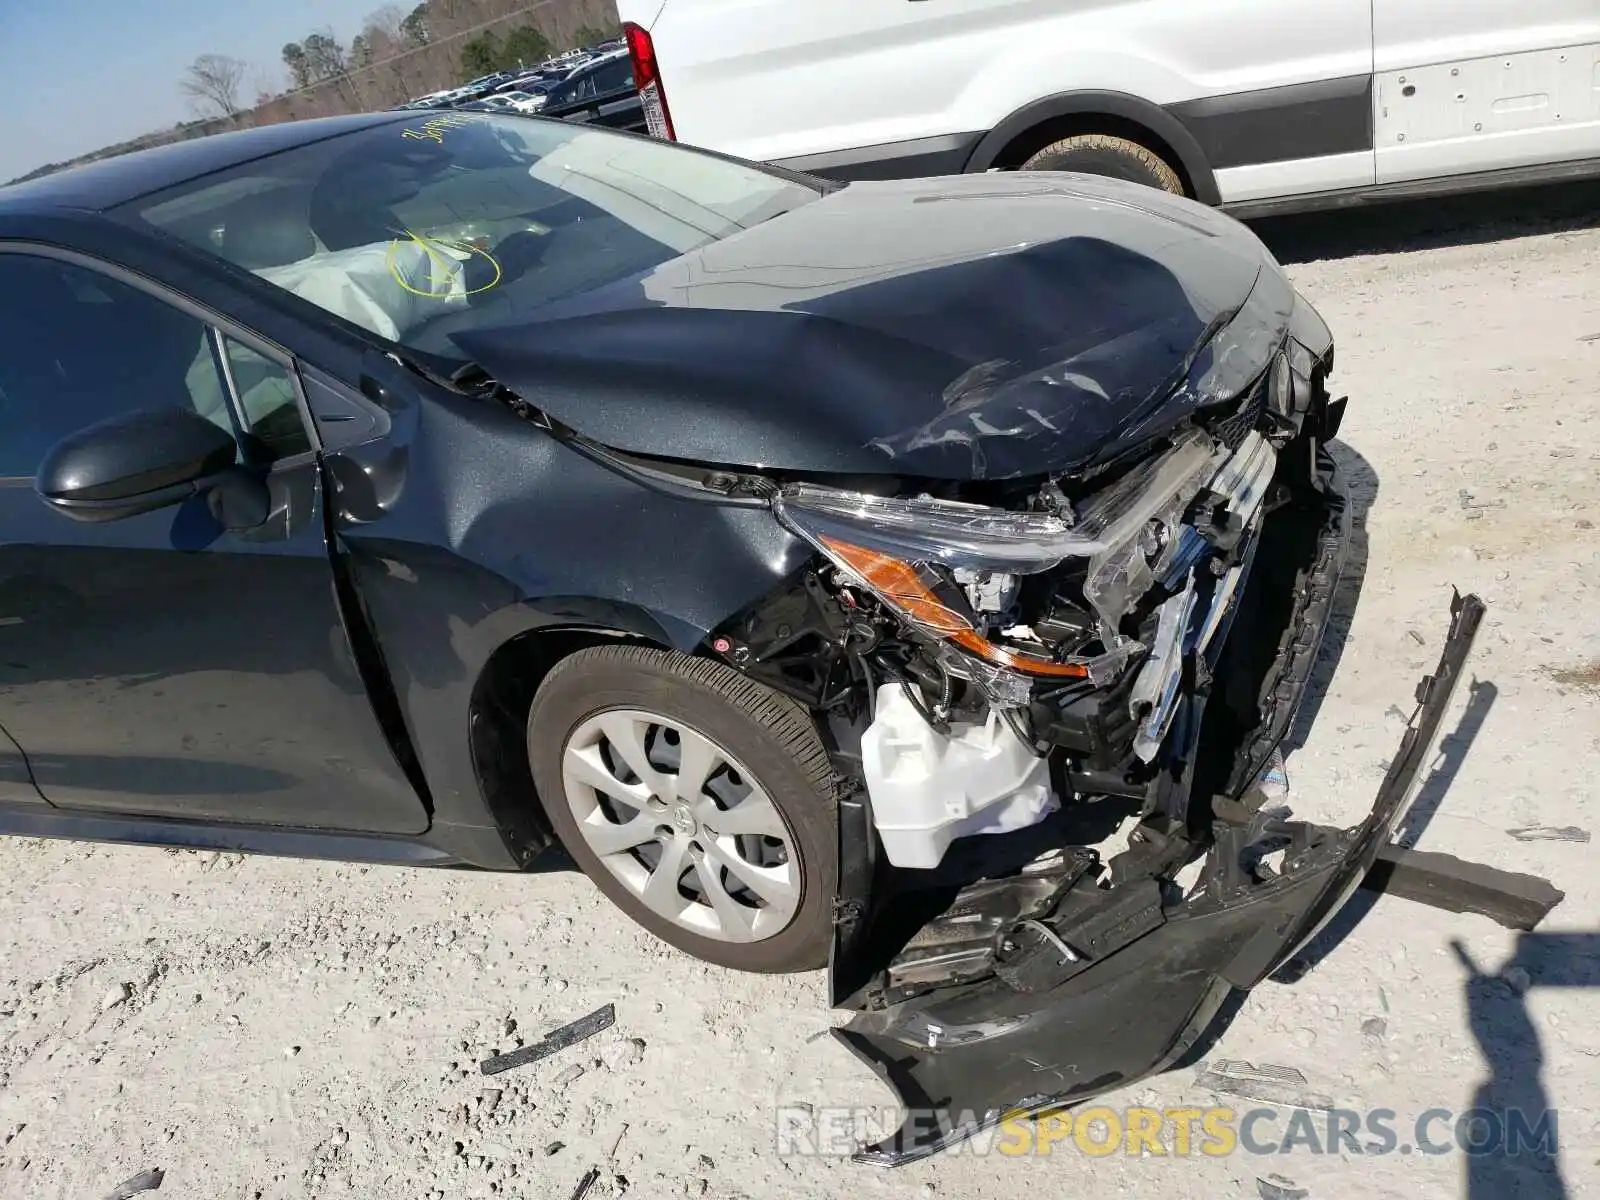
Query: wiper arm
x,y
417,367
472,379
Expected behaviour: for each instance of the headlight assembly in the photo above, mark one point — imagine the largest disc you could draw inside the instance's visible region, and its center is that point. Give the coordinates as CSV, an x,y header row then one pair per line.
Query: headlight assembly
x,y
1280,386
904,550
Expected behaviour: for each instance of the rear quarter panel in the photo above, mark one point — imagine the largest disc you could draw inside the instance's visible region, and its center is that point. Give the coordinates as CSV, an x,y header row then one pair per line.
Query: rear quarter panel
x,y
772,79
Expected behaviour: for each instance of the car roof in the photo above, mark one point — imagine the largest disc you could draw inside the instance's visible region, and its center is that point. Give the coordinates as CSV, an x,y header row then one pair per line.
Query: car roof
x,y
113,181
600,60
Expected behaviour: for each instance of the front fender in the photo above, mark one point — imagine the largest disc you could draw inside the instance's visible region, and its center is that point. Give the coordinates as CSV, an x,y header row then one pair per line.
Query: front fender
x,y
467,527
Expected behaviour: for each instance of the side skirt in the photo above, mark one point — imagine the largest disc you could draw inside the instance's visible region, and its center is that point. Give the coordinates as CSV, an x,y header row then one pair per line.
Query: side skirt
x,y
30,821
1419,189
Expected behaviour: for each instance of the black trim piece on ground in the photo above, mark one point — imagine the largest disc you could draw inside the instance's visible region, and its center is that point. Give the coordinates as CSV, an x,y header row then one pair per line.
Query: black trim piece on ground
x,y
1302,120
1191,158
1443,881
943,155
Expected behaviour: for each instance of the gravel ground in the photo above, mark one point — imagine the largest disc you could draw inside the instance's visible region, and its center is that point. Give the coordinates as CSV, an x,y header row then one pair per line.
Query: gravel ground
x,y
265,1028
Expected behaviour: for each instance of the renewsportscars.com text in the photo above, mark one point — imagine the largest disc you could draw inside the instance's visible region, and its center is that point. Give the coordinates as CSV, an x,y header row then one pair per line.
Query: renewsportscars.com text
x,y
1214,1132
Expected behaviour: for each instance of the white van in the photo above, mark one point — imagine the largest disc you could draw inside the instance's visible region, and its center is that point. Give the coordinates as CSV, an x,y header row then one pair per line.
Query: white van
x,y
1253,104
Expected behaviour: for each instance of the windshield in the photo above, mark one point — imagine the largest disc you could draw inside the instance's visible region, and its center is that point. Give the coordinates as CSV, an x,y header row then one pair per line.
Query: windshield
x,y
423,229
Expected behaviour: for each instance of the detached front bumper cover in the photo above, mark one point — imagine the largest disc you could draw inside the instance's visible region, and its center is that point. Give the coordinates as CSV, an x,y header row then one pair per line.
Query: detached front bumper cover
x,y
964,1058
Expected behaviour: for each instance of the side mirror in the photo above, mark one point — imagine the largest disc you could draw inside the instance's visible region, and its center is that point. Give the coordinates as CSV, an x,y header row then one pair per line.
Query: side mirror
x,y
133,464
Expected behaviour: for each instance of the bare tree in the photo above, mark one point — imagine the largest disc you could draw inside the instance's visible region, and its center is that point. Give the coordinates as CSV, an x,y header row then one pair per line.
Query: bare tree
x,y
265,82
389,20
212,84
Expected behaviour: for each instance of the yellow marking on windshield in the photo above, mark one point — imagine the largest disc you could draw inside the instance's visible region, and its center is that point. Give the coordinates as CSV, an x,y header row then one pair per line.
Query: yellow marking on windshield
x,y
444,265
434,130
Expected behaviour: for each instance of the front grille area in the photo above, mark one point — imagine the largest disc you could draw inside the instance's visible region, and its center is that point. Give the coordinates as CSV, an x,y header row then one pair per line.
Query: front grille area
x,y
1230,430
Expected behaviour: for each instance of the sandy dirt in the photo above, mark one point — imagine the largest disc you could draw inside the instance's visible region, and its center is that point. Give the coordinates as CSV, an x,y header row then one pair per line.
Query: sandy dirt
x,y
268,1028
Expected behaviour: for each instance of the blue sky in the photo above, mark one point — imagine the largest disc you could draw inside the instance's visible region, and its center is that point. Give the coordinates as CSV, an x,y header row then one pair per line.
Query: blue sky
x,y
80,74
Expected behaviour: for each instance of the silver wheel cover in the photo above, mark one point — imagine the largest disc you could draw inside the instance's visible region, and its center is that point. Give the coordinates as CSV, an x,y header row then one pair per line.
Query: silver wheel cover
x,y
682,825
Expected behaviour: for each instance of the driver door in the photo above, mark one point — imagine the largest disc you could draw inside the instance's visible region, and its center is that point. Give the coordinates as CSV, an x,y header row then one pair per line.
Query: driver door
x,y
159,664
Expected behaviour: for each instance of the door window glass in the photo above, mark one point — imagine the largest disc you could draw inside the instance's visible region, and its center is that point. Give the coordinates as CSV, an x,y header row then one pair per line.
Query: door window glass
x,y
614,76
268,405
78,347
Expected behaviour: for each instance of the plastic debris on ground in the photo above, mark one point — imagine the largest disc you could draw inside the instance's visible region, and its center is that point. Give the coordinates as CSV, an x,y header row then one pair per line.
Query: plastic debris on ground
x,y
1280,1187
568,1035
587,1182
1269,1083
144,1181
1551,833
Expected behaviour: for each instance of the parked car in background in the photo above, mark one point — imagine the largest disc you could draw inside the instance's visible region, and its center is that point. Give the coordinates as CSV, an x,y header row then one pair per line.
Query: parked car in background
x,y
1355,100
487,103
601,92
524,102
519,102
490,81
431,100
485,85
534,85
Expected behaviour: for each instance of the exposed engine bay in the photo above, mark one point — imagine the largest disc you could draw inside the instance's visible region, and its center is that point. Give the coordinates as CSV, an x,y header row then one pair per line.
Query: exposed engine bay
x,y
1081,664
981,664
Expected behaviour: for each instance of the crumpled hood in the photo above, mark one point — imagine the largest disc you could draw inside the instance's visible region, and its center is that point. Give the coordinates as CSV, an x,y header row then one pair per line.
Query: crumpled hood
x,y
973,327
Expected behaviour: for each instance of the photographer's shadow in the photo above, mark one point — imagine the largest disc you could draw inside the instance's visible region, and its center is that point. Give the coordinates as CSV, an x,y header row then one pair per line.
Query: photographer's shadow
x,y
1515,1126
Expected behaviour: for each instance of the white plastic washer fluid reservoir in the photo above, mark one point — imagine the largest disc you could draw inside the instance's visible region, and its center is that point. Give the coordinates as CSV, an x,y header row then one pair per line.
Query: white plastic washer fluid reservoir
x,y
930,788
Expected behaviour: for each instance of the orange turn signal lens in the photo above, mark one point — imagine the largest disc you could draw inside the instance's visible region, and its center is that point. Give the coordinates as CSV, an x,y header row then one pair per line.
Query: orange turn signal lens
x,y
903,586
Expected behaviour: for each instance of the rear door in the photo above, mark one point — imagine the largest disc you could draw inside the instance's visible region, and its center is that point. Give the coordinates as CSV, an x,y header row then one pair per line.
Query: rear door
x,y
616,100
573,99
1484,85
600,95
773,80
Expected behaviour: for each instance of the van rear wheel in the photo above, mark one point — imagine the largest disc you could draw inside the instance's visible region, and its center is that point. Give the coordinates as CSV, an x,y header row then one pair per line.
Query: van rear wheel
x,y
1102,154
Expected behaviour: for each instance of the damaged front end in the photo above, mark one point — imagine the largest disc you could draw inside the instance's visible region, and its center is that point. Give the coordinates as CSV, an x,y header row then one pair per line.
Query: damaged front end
x,y
1091,987
1002,672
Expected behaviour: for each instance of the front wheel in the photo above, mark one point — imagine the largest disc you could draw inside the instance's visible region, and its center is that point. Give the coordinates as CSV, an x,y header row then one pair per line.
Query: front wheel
x,y
1102,154
702,803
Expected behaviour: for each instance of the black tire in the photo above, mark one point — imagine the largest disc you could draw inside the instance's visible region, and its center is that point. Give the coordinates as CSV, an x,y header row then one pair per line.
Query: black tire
x,y
1102,154
771,735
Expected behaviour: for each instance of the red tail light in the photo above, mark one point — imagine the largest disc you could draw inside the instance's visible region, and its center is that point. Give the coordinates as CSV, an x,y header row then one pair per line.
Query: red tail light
x,y
647,78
